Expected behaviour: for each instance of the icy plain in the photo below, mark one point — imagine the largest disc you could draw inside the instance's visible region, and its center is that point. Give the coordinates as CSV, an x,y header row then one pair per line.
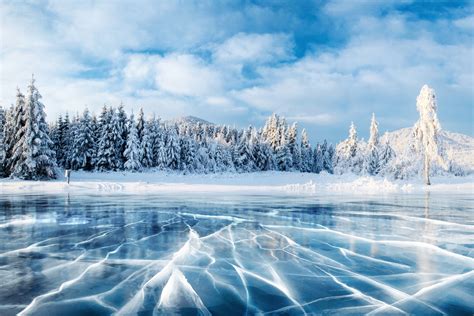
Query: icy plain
x,y
199,253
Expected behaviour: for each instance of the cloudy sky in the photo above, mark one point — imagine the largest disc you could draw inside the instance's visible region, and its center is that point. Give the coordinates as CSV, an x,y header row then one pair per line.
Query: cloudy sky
x,y
321,63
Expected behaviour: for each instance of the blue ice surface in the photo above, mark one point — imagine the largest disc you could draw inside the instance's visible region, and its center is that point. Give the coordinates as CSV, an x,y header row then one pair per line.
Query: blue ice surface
x,y
235,255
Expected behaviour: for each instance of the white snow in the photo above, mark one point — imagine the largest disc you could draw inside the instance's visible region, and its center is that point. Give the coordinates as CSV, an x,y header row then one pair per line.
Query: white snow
x,y
268,182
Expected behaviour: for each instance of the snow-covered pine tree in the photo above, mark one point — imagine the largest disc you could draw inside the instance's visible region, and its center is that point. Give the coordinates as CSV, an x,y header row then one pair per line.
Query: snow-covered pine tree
x,y
188,154
95,139
149,140
172,148
161,154
106,145
9,130
352,140
218,151
271,132
158,138
119,131
328,158
140,124
16,132
83,144
210,150
224,149
54,135
385,158
2,142
293,146
283,155
347,154
306,164
374,133
64,139
261,152
133,149
122,124
141,135
72,135
36,159
427,129
372,160
318,158
243,158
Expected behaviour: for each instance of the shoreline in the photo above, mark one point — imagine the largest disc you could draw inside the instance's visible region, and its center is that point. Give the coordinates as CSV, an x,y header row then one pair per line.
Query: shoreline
x,y
258,183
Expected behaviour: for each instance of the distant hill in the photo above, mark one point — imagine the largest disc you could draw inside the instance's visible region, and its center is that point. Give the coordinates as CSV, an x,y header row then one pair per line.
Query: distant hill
x,y
457,148
191,120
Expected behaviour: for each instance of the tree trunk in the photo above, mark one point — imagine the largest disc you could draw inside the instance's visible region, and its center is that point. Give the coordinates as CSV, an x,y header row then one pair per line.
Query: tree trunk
x,y
427,170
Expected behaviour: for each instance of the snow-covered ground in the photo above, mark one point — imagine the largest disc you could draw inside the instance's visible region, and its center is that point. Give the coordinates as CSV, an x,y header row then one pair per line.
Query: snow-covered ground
x,y
271,182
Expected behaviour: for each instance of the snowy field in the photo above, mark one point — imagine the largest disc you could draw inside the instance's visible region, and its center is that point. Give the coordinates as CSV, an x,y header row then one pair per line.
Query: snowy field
x,y
272,182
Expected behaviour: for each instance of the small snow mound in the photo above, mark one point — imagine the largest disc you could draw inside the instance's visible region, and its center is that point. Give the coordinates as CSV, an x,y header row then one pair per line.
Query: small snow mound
x,y
369,185
309,187
109,187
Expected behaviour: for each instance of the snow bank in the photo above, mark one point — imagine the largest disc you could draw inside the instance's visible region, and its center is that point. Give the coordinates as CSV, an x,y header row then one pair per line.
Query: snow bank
x,y
272,182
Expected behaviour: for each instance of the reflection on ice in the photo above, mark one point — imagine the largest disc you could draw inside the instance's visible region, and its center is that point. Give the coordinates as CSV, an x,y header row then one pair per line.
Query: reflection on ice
x,y
156,255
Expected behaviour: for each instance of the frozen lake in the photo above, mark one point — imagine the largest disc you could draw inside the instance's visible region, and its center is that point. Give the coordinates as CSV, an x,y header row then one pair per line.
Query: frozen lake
x,y
149,255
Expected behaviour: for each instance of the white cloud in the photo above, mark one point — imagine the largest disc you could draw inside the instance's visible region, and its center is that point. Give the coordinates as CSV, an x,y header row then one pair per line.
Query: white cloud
x,y
186,75
466,23
179,74
254,49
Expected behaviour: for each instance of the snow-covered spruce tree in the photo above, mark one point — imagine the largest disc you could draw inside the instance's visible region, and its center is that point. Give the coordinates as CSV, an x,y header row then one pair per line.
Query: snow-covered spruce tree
x,y
188,154
372,161
95,139
15,132
121,142
318,159
328,158
71,137
218,151
306,164
2,142
348,157
54,135
283,154
261,152
83,143
427,130
9,130
224,150
385,160
243,158
141,131
293,146
172,148
158,138
64,138
36,159
105,159
211,165
133,149
161,152
119,131
271,131
150,139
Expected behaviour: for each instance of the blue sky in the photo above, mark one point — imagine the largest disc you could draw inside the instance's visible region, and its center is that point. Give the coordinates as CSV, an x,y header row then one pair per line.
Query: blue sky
x,y
321,63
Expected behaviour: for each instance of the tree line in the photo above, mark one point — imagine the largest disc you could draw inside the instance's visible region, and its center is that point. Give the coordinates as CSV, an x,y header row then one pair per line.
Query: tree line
x,y
115,141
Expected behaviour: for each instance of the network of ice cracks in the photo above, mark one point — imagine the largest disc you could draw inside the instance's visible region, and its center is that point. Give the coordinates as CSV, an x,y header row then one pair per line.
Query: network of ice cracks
x,y
234,259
